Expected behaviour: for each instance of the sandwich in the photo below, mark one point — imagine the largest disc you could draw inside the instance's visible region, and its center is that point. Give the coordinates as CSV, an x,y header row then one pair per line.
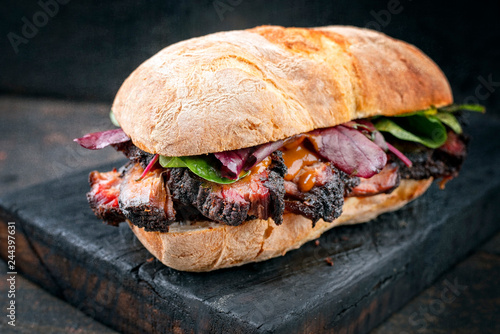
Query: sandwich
x,y
244,145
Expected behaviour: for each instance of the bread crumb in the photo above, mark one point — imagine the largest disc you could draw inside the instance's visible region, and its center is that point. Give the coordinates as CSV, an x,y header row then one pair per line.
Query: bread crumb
x,y
150,259
316,242
329,261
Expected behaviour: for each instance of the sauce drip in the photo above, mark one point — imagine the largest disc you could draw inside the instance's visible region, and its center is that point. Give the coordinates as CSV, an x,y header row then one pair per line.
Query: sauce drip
x,y
307,180
261,166
297,156
257,169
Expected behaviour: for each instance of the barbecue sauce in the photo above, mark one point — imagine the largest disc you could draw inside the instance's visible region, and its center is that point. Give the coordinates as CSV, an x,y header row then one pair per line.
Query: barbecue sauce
x,y
297,156
261,166
256,170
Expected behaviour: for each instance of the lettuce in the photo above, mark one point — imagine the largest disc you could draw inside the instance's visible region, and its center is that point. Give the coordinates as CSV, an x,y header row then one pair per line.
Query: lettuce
x,y
417,128
203,166
467,107
113,118
450,120
426,127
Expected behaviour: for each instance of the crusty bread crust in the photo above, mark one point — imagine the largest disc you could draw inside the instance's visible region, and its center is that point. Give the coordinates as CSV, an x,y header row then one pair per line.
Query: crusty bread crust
x,y
238,89
207,246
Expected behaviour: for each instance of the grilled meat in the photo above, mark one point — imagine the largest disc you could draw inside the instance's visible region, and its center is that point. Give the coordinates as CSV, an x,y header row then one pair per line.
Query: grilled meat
x,y
323,201
135,154
146,202
103,196
384,182
444,162
317,191
260,195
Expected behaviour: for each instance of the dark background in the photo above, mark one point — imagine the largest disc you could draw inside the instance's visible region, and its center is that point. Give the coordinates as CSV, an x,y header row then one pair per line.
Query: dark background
x,y
88,48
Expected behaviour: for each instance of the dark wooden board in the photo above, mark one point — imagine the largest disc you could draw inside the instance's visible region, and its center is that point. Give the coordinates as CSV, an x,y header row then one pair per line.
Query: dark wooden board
x,y
471,306
378,266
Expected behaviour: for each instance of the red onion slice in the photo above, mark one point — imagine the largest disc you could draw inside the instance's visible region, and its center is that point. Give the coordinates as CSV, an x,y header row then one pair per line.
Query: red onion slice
x,y
399,154
262,152
149,166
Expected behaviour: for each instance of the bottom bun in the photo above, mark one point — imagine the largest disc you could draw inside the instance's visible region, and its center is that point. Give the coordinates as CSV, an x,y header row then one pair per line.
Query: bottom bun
x,y
206,246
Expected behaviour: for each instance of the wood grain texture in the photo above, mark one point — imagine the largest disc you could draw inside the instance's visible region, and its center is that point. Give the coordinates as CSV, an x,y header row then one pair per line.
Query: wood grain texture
x,y
39,312
464,300
377,267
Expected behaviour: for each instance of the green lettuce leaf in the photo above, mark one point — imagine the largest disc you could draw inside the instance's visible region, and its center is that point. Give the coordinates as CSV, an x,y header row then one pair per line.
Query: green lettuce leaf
x,y
450,120
425,126
169,162
468,107
422,129
199,165
426,112
113,119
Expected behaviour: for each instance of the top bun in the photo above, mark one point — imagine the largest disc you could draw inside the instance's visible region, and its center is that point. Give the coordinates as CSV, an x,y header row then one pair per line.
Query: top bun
x,y
238,89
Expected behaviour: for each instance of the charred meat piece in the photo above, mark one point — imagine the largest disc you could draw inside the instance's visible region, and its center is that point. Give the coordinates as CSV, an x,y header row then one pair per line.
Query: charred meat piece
x,y
384,182
132,152
350,182
276,185
455,146
260,195
146,202
444,162
188,189
323,201
103,196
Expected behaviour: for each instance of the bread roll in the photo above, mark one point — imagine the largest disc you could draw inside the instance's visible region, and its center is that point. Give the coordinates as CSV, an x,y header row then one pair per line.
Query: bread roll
x,y
238,89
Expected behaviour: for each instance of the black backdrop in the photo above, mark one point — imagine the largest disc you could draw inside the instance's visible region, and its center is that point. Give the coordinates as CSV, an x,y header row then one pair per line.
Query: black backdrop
x,y
85,49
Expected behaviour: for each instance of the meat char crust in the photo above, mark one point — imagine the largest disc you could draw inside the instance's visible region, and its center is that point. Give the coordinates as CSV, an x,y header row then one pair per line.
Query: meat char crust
x,y
133,153
187,189
146,202
261,196
323,201
428,162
